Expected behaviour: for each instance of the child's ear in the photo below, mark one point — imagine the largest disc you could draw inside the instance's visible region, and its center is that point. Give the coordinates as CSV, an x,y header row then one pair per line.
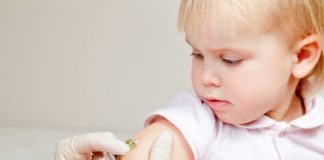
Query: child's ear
x,y
307,53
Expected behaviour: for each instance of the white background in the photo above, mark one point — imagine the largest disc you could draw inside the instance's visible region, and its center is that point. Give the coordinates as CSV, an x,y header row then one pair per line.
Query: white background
x,y
74,66
80,64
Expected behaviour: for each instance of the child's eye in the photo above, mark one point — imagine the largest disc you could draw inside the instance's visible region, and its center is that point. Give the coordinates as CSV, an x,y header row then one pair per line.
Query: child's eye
x,y
197,55
232,61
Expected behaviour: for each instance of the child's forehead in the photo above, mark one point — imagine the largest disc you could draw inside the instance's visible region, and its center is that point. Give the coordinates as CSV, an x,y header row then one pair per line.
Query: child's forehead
x,y
215,41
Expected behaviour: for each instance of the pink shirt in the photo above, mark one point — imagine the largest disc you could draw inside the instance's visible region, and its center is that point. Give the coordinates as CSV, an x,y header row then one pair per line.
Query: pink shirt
x,y
211,139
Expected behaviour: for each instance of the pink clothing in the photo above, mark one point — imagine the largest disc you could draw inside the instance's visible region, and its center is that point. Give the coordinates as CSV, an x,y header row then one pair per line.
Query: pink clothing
x,y
211,139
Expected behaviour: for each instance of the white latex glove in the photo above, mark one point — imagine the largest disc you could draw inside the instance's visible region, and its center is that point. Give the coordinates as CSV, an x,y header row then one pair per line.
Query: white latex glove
x,y
82,147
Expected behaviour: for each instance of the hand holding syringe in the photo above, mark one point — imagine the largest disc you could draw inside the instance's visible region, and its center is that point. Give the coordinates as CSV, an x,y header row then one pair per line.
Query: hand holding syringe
x,y
82,147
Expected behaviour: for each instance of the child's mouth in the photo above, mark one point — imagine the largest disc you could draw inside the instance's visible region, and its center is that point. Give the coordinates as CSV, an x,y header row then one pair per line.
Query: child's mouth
x,y
217,104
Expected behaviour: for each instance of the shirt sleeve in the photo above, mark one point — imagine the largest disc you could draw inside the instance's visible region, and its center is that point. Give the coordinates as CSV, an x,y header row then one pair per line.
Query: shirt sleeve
x,y
195,121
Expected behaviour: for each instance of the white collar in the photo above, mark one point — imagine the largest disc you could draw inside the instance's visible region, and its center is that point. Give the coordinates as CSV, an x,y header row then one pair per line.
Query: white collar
x,y
313,117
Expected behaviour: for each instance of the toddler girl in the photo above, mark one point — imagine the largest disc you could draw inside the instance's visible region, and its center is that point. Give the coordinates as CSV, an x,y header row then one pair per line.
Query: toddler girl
x,y
257,66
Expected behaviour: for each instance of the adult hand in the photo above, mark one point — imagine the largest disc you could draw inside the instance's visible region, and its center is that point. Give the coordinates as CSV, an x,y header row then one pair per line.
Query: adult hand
x,y
91,146
85,147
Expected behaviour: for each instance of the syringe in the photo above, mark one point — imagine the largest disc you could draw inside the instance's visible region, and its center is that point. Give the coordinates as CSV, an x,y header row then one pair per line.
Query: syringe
x,y
131,144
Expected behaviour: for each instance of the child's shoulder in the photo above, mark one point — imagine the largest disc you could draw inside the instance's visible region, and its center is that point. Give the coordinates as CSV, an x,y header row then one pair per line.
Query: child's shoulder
x,y
194,120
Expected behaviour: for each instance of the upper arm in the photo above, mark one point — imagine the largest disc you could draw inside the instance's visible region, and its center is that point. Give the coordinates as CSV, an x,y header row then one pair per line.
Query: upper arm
x,y
180,148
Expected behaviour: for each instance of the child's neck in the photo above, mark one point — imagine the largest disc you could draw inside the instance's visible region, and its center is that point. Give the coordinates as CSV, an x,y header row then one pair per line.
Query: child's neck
x,y
293,110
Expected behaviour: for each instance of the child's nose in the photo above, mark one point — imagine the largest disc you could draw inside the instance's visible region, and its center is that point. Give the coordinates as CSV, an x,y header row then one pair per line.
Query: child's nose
x,y
210,77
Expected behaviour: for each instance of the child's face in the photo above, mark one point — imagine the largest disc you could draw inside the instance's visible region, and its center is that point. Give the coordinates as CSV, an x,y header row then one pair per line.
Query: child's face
x,y
249,74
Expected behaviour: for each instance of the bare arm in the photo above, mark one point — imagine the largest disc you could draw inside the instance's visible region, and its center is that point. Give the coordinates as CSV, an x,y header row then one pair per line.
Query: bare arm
x,y
180,148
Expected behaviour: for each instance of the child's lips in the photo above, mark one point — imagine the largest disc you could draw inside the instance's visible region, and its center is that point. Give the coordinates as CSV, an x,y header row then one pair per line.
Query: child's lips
x,y
217,104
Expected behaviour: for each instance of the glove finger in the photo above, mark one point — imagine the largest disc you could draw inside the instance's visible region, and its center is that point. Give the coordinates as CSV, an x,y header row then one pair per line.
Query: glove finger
x,y
99,142
108,134
113,146
101,156
162,147
109,156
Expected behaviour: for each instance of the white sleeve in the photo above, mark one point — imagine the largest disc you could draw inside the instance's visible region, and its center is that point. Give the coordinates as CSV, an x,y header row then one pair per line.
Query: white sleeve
x,y
194,120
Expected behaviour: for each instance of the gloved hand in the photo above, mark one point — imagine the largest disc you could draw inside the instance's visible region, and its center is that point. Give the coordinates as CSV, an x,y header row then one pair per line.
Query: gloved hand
x,y
82,147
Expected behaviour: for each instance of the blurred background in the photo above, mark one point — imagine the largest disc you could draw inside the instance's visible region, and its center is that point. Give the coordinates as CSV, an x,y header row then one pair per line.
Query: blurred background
x,y
76,66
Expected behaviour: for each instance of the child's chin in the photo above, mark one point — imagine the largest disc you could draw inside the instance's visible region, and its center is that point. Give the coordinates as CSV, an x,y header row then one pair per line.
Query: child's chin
x,y
227,120
234,121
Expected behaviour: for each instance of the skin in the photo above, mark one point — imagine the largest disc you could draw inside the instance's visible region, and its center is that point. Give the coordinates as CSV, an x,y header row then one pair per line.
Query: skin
x,y
180,148
253,74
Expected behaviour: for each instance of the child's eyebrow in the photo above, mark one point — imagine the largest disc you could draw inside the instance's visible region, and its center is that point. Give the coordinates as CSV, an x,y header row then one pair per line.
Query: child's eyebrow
x,y
221,50
224,50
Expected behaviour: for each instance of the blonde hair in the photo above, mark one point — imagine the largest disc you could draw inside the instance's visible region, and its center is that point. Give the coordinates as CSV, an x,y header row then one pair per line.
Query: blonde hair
x,y
297,19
